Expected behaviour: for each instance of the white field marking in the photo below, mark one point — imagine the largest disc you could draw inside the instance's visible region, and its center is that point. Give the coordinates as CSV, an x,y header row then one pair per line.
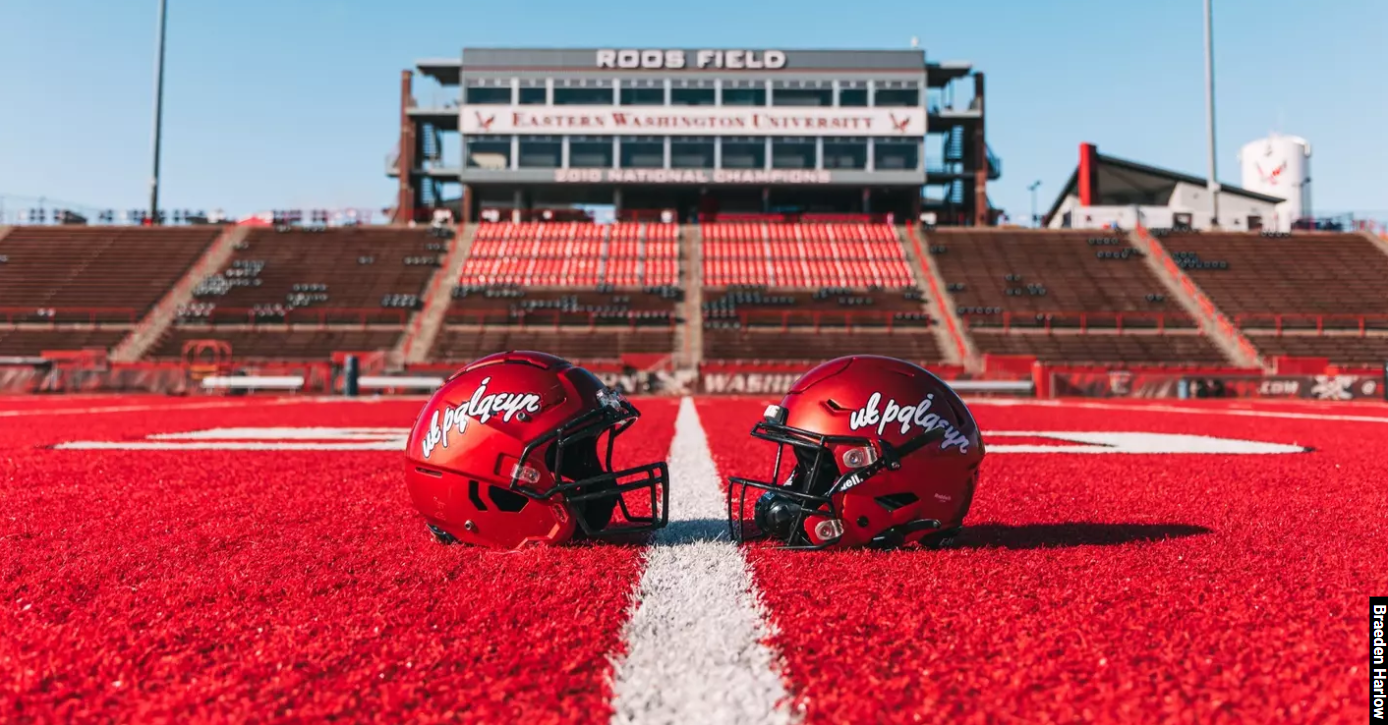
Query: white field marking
x,y
162,407
390,445
1160,408
258,439
1124,442
281,434
697,632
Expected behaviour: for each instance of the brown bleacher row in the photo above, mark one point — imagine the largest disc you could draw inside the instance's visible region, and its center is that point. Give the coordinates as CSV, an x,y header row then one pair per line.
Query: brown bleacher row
x,y
464,343
1341,349
356,267
124,269
1306,273
1103,347
801,344
33,341
847,309
266,343
561,306
1051,271
336,275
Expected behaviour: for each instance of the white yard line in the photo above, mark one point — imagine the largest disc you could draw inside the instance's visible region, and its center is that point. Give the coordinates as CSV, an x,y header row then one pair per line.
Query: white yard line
x,y
1162,408
697,632
174,407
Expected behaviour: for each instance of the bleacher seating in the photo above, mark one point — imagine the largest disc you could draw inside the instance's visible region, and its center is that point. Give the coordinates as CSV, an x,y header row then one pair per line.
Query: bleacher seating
x,y
89,286
1140,348
581,290
829,308
505,305
1284,292
97,267
806,255
304,294
1076,286
346,268
122,270
30,342
989,274
810,346
809,291
1252,277
459,344
300,344
573,254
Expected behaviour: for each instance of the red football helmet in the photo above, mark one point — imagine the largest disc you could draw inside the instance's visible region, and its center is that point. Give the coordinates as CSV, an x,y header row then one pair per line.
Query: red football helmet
x,y
885,454
506,454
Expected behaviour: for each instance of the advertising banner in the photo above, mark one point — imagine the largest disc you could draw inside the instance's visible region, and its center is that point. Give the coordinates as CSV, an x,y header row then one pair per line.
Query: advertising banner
x,y
691,121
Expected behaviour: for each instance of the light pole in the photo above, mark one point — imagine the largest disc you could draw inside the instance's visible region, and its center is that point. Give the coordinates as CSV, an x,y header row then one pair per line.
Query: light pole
x,y
1035,221
1212,184
158,115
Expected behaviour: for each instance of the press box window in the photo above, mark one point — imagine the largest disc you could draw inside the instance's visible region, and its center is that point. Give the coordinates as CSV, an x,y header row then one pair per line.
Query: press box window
x,y
853,97
590,152
802,97
587,96
489,152
792,153
845,153
643,153
897,97
540,152
643,96
532,96
691,152
744,153
744,96
488,96
896,154
691,97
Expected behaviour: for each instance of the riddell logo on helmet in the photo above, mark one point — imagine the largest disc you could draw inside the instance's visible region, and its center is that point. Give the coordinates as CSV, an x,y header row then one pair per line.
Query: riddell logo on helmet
x,y
481,407
908,416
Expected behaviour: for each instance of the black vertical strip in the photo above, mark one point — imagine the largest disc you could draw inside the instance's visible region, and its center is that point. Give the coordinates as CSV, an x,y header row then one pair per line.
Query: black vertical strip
x,y
475,496
1378,659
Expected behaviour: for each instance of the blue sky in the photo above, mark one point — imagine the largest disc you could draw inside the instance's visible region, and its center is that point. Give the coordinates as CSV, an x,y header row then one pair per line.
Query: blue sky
x,y
293,103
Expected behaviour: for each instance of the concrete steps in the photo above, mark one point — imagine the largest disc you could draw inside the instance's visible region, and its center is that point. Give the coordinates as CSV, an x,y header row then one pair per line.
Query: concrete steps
x,y
953,340
1213,323
424,325
152,326
689,335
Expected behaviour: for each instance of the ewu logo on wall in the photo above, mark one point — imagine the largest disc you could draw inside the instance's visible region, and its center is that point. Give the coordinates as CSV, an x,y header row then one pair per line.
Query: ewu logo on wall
x,y
747,383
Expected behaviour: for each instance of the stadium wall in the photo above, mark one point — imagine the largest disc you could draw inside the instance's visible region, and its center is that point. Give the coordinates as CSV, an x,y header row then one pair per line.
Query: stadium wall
x,y
1238,212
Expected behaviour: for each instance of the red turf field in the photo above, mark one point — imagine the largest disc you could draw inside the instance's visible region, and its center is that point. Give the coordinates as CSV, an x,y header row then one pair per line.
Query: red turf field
x,y
198,585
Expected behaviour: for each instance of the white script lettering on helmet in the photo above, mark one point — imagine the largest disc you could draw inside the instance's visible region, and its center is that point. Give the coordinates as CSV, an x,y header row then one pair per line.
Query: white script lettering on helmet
x,y
915,415
481,407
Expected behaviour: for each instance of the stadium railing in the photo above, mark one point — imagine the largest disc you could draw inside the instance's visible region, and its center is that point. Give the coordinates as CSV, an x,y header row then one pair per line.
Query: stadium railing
x,y
558,319
845,320
1078,322
69,315
1304,322
321,316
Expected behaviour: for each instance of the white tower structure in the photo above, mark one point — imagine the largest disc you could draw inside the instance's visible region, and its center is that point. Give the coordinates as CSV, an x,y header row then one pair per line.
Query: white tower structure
x,y
1280,166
